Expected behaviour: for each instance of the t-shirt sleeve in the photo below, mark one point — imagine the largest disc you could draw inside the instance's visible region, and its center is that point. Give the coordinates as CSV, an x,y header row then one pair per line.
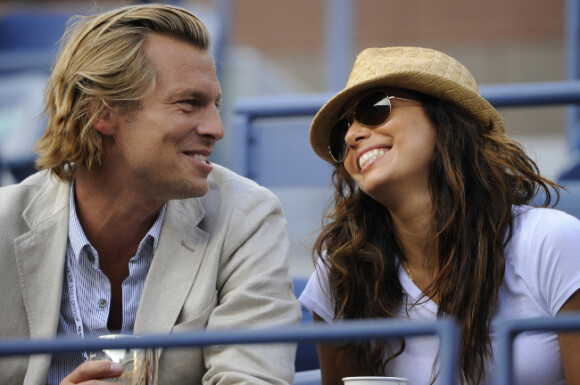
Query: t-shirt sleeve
x,y
563,265
316,297
553,256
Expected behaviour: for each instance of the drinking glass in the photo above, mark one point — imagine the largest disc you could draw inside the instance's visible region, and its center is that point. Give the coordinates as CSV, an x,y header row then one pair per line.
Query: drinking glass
x,y
139,364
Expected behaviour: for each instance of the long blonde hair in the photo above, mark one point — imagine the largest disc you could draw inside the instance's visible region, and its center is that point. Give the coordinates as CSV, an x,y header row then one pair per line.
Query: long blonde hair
x,y
101,67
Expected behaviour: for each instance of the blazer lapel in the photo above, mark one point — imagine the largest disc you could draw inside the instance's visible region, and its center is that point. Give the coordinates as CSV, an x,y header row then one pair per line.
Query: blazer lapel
x,y
175,265
40,256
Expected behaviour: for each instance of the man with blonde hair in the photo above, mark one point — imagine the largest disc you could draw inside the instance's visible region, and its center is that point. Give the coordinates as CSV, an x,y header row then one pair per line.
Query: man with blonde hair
x,y
128,227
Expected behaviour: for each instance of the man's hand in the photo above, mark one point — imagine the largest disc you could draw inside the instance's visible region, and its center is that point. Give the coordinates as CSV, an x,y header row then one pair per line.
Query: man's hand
x,y
88,372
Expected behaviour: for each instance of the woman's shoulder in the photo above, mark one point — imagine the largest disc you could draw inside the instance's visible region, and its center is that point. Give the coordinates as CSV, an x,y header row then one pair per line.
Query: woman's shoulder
x,y
543,254
543,219
539,230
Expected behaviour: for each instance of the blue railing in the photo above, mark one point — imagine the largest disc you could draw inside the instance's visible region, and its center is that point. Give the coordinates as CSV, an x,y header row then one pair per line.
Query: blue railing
x,y
508,330
248,111
446,329
572,12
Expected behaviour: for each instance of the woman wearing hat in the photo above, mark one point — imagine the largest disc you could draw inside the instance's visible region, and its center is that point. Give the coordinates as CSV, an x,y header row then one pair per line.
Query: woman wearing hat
x,y
433,217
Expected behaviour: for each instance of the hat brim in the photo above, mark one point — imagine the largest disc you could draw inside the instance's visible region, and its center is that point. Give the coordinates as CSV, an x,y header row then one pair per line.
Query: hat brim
x,y
429,84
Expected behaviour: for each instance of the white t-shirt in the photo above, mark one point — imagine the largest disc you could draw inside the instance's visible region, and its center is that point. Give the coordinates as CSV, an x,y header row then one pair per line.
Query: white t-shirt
x,y
542,272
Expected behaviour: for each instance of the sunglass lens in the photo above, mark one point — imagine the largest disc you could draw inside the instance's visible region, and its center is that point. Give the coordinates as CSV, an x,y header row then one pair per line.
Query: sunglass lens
x,y
336,143
373,110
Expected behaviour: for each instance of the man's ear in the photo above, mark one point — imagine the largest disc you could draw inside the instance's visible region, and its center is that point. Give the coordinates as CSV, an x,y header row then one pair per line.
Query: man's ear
x,y
105,122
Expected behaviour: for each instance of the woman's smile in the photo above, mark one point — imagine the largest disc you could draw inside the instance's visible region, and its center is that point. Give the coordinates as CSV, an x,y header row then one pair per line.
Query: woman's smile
x,y
370,156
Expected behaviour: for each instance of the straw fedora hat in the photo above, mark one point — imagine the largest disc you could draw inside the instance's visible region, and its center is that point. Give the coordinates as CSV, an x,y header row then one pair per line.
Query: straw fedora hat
x,y
420,69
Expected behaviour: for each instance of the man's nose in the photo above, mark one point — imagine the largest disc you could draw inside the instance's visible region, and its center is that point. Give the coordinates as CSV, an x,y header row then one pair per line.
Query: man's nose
x,y
211,124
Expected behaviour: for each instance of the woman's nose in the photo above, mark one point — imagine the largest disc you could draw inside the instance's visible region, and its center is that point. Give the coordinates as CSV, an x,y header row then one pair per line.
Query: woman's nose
x,y
356,132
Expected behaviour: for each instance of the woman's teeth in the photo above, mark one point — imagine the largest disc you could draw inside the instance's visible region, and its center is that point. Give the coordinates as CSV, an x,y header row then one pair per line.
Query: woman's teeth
x,y
368,157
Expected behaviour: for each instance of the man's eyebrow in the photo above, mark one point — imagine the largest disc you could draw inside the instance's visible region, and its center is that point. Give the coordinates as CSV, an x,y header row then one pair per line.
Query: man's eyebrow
x,y
193,94
190,94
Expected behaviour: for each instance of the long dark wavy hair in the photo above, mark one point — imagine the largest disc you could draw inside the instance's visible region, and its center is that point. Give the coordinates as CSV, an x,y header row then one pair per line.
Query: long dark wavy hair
x,y
476,177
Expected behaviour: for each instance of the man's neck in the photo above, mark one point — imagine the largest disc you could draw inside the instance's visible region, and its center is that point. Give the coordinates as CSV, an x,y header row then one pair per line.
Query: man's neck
x,y
114,219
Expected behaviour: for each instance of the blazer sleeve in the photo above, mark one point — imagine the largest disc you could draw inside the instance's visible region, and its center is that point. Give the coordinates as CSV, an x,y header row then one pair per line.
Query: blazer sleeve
x,y
254,290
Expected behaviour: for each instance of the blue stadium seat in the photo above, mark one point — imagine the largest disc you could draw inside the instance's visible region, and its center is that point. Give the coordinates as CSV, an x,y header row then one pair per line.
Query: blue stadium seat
x,y
21,121
29,39
308,377
306,355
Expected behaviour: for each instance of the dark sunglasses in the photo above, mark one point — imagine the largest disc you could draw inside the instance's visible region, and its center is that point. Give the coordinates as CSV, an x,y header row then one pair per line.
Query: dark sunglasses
x,y
372,110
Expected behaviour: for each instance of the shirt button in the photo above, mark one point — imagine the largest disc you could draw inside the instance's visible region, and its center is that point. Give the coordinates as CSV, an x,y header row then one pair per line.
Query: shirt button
x,y
102,303
91,257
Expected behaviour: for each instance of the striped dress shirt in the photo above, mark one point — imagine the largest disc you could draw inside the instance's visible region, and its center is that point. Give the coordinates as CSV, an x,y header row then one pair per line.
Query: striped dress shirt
x,y
93,290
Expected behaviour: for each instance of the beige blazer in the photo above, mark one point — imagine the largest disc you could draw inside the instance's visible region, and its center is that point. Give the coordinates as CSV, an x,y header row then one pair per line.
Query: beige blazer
x,y
222,261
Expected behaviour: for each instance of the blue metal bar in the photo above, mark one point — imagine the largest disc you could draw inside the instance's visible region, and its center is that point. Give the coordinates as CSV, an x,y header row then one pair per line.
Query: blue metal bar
x,y
26,60
281,106
225,10
500,95
241,138
446,329
572,37
339,23
532,94
573,70
507,330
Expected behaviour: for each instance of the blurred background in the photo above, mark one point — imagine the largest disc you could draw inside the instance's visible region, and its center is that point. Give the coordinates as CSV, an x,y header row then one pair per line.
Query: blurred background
x,y
274,54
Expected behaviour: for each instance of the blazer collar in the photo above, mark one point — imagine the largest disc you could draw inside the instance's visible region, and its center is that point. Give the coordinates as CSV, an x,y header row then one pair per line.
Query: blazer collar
x,y
40,255
175,265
